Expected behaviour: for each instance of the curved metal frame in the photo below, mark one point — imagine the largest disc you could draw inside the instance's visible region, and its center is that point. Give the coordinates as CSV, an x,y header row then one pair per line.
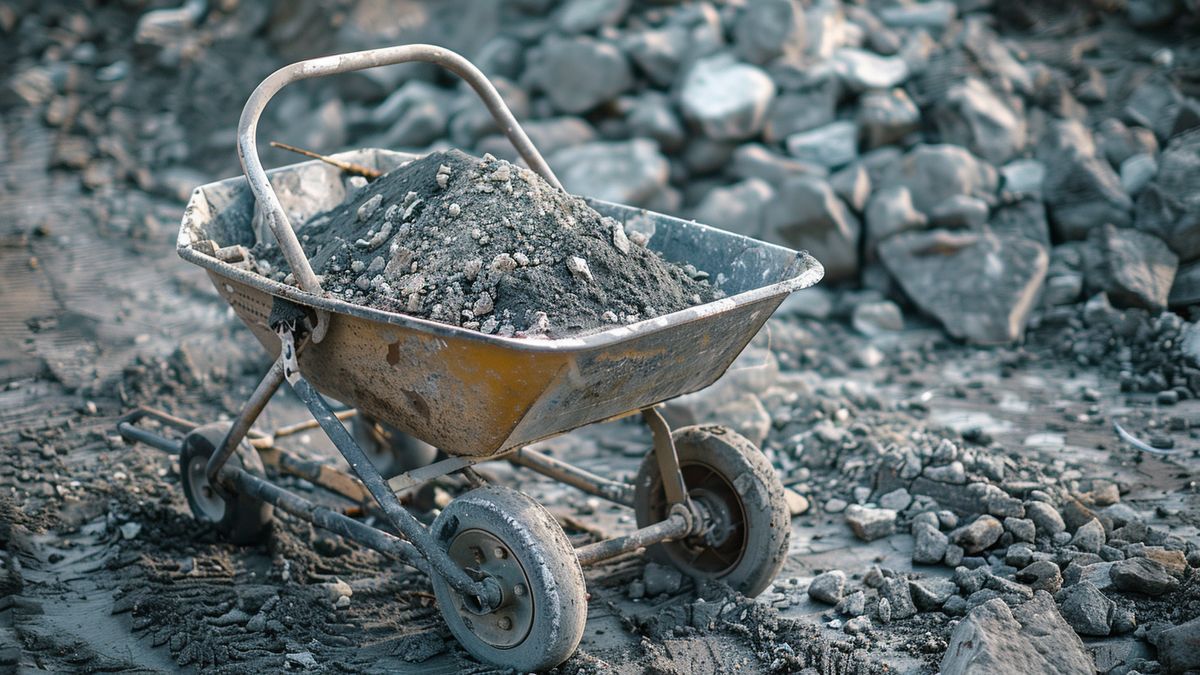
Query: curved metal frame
x,y
247,144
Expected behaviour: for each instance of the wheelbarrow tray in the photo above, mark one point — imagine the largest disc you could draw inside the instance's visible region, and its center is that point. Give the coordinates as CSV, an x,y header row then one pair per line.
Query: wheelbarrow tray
x,y
473,394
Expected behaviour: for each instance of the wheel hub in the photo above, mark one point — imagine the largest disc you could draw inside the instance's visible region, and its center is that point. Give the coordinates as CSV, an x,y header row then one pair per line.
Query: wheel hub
x,y
211,504
484,556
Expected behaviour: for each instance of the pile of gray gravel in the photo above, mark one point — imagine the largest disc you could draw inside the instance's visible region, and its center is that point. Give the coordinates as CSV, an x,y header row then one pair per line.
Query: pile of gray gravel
x,y
489,246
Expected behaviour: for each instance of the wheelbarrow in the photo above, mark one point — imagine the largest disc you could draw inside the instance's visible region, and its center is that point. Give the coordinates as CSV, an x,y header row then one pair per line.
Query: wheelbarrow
x,y
507,579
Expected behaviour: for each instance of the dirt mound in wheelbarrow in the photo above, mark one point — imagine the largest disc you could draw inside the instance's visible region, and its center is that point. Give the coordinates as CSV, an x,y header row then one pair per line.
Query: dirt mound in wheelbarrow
x,y
488,245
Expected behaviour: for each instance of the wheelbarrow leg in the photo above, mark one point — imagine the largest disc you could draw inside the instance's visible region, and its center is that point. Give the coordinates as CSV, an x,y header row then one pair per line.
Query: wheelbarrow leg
x,y
487,592
241,426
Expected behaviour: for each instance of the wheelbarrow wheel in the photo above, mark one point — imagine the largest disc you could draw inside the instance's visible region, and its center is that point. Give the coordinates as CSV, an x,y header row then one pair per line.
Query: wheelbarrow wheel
x,y
391,451
735,485
497,532
238,518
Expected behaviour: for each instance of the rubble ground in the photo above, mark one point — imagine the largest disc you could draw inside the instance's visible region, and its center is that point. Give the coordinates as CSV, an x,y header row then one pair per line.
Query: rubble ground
x,y
987,417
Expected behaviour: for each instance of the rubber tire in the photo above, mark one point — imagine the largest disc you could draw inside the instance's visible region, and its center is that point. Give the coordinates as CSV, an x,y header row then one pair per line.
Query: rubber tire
x,y
765,509
549,562
392,451
247,521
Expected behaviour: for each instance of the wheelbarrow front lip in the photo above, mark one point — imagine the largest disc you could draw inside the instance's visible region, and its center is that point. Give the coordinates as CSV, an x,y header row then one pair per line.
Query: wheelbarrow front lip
x,y
804,271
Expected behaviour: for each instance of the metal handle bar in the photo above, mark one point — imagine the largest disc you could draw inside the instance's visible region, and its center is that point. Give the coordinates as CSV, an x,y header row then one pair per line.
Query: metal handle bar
x,y
277,220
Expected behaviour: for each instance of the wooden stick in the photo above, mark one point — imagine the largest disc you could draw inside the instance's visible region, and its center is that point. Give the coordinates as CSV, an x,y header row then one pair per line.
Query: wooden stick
x,y
348,167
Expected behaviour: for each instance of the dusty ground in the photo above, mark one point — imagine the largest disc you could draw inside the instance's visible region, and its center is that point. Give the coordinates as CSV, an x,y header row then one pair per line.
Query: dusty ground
x,y
104,570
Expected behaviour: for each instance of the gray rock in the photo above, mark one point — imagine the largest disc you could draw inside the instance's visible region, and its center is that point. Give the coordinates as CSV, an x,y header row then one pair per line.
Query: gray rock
x,y
1177,647
1089,537
651,115
1142,575
629,172
1022,529
974,116
738,208
1045,517
934,173
1136,172
883,610
1041,575
769,29
658,53
1154,103
960,212
1137,268
752,160
853,185
1169,206
728,100
861,70
414,115
890,210
1082,191
1087,609
929,594
979,535
886,117
898,499
554,66
795,111
931,14
1032,638
832,145
895,590
954,555
996,280
870,524
1117,142
583,16
828,587
853,604
552,134
1024,217
929,544
1024,177
875,318
952,473
808,215
858,625
1186,289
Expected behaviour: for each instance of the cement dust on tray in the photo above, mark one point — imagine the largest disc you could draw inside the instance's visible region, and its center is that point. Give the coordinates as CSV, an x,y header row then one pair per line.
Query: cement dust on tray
x,y
490,246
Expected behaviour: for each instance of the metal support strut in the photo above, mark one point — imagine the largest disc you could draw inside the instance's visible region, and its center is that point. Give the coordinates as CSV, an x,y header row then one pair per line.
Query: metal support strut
x,y
486,591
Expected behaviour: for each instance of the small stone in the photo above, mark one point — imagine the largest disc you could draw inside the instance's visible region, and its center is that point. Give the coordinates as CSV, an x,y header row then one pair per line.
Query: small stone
x,y
929,546
929,594
883,610
1142,575
832,145
728,100
579,269
1022,529
858,625
1045,517
1087,610
368,207
869,524
853,604
130,530
1041,575
827,588
1089,537
483,305
877,318
895,590
979,535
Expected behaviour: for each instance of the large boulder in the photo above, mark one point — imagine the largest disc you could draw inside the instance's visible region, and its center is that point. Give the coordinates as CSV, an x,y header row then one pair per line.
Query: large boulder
x,y
555,65
767,29
1179,647
1169,206
738,208
980,286
934,173
1136,269
1081,189
974,116
807,214
629,172
1032,638
726,99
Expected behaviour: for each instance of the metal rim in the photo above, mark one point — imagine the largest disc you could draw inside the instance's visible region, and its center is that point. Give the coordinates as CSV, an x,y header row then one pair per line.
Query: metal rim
x,y
483,555
210,504
719,548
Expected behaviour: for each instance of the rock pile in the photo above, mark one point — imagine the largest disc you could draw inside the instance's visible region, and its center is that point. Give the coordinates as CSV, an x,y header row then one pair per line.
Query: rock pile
x,y
488,246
